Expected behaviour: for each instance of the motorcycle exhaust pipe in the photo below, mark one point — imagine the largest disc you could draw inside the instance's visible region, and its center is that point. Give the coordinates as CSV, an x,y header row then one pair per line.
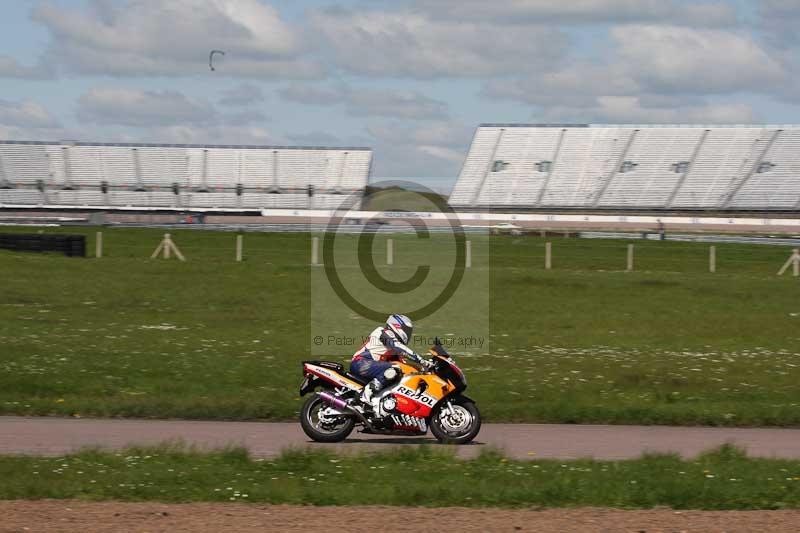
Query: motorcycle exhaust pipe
x,y
333,401
342,405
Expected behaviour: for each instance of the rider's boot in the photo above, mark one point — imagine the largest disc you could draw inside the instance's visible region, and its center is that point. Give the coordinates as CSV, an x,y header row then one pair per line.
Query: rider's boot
x,y
370,389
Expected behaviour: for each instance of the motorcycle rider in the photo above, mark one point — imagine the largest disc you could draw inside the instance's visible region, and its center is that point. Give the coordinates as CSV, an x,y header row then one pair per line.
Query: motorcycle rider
x,y
386,343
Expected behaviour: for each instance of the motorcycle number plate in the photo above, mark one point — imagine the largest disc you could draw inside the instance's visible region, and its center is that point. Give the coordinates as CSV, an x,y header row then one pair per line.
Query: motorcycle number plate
x,y
304,384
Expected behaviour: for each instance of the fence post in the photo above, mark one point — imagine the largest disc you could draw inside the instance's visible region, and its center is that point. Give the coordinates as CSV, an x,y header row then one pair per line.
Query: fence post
x,y
167,247
794,261
239,240
712,259
315,251
469,254
98,245
389,252
176,250
630,258
548,256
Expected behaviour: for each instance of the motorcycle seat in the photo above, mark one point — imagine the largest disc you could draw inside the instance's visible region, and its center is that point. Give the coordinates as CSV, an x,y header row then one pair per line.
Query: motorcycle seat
x,y
357,379
338,367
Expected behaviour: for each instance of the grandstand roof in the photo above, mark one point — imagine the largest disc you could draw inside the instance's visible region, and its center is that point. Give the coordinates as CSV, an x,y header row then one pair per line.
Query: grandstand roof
x,y
176,145
523,125
599,125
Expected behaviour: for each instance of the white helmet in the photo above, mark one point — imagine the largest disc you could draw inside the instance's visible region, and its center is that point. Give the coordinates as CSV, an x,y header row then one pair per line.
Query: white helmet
x,y
401,325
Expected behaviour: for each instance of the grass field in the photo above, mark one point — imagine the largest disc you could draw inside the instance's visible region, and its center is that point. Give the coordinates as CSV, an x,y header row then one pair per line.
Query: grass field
x,y
585,342
720,479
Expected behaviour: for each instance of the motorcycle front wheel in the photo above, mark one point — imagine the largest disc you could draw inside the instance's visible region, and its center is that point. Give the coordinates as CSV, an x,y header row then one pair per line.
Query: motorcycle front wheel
x,y
323,429
455,422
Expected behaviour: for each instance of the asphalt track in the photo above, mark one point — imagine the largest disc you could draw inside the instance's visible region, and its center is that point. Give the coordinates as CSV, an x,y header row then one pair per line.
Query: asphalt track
x,y
58,436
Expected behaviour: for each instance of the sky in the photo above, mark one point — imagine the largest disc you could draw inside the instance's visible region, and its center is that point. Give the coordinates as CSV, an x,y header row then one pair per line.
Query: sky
x,y
409,78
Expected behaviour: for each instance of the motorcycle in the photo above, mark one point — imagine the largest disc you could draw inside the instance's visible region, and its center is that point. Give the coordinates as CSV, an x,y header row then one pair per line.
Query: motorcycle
x,y
421,399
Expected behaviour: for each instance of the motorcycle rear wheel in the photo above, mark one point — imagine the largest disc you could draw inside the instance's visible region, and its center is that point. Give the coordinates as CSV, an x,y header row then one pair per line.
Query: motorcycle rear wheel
x,y
461,427
316,430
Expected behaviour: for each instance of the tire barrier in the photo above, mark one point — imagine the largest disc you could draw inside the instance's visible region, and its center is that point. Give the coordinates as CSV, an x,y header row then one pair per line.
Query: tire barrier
x,y
69,245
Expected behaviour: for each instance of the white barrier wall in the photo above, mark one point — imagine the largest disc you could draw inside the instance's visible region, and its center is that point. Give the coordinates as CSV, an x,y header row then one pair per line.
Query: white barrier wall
x,y
467,219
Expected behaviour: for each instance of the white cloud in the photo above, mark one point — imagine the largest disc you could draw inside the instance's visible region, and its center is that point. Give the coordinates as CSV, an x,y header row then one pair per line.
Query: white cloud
x,y
441,152
671,58
411,44
369,102
575,85
11,68
315,138
433,149
223,134
584,11
132,115
442,133
26,114
16,133
411,105
243,118
780,20
29,121
310,95
132,107
244,94
653,74
632,110
779,23
174,37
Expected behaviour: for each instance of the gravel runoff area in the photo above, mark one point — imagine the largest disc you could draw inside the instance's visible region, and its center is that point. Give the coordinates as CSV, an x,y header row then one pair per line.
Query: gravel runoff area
x,y
64,515
59,436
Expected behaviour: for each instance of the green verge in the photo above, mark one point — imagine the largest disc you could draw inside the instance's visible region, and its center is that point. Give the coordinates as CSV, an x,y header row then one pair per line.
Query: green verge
x,y
583,343
720,479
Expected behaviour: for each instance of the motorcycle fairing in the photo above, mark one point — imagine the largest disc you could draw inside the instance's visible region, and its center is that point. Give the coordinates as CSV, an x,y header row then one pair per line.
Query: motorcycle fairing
x,y
330,375
417,394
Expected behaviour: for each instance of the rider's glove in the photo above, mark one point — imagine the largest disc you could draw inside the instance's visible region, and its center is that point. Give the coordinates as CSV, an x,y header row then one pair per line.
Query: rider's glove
x,y
426,364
